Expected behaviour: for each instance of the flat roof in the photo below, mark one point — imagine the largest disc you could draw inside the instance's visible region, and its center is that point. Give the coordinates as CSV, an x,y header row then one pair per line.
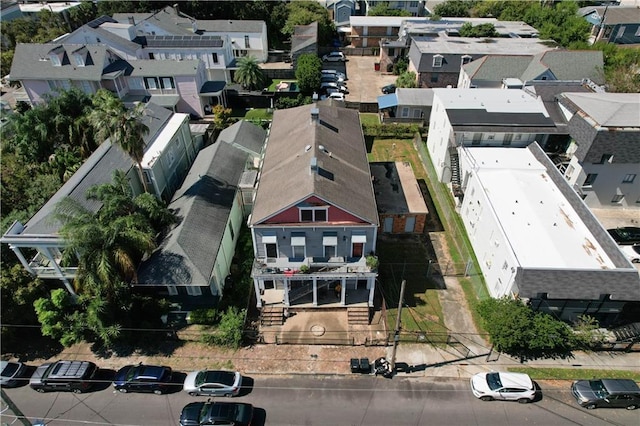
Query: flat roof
x,y
396,188
491,100
481,46
55,7
539,223
163,139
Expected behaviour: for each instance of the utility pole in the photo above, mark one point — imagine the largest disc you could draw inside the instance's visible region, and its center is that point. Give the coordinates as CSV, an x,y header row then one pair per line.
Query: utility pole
x,y
396,336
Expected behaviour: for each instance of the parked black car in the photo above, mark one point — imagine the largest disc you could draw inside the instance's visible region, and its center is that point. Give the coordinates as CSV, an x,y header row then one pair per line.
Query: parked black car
x,y
389,88
626,235
216,413
613,393
74,376
143,378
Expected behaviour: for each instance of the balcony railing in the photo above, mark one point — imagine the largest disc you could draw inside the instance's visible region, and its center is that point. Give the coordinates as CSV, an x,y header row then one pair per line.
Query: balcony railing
x,y
325,267
43,268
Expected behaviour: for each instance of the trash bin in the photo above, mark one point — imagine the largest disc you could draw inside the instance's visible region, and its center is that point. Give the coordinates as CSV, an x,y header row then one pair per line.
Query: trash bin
x,y
376,66
355,365
365,366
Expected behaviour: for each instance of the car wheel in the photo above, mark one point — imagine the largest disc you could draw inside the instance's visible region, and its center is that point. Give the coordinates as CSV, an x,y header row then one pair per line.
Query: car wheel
x,y
157,392
590,406
524,400
76,390
631,407
123,390
486,398
193,393
228,395
40,390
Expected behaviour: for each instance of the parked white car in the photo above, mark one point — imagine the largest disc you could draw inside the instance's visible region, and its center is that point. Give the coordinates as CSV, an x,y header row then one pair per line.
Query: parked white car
x,y
503,386
334,72
334,57
335,86
338,96
631,252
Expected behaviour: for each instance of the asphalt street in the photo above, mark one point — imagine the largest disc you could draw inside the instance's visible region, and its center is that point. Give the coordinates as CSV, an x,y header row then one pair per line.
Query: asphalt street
x,y
323,400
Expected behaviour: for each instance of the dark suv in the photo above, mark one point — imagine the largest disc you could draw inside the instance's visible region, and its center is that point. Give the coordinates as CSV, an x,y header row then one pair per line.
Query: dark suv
x,y
613,393
143,378
74,376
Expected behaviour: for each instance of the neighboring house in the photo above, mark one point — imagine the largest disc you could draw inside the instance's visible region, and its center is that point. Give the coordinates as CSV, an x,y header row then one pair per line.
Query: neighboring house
x,y
369,31
406,106
482,118
613,24
314,223
195,257
394,48
341,10
605,154
169,140
246,37
304,40
437,60
401,207
534,238
491,71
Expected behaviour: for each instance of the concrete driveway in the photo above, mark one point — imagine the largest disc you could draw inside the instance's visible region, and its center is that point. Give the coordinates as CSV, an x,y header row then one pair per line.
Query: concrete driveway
x,y
364,82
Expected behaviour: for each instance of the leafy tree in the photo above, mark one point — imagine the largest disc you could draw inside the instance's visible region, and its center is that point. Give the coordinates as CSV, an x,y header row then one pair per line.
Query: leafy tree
x,y
306,12
308,69
383,9
249,73
407,79
482,30
229,330
284,103
221,117
401,65
112,120
517,330
454,8
60,317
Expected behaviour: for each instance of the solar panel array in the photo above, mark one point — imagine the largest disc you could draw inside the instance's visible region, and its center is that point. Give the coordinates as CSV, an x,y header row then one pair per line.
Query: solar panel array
x,y
101,20
184,41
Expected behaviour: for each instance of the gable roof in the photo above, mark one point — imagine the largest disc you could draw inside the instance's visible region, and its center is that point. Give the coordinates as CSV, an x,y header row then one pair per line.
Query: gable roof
x,y
244,135
497,67
304,36
567,65
614,14
31,62
605,109
167,19
203,204
334,143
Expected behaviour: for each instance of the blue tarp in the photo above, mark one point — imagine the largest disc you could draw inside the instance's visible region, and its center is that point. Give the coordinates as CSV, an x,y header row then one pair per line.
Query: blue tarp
x,y
387,101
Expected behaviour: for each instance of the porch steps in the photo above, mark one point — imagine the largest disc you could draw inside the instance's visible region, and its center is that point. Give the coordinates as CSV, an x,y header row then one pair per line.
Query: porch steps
x,y
272,315
358,315
455,171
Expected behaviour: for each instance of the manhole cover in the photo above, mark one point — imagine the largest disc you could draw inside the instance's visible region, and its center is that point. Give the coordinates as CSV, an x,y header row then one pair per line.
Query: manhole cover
x,y
317,330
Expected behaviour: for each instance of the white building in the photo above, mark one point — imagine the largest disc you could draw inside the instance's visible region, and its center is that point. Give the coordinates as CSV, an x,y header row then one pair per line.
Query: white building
x,y
535,239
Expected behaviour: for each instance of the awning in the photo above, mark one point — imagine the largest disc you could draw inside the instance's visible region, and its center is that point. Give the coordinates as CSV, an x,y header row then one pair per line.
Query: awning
x,y
212,88
358,238
298,241
329,241
387,101
269,239
165,100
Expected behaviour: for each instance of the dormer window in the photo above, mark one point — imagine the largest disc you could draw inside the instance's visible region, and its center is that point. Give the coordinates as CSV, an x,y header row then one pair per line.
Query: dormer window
x,y
55,60
437,61
56,56
466,59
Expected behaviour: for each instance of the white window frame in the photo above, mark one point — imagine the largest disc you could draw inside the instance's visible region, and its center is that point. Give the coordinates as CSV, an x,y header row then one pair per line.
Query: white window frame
x,y
155,82
165,80
173,290
194,290
617,199
629,178
437,61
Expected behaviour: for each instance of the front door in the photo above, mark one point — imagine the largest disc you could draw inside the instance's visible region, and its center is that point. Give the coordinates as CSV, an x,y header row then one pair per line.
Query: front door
x,y
410,224
388,224
272,250
357,249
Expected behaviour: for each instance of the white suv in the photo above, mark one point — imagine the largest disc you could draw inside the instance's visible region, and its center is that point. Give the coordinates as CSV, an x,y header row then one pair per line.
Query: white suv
x,y
334,57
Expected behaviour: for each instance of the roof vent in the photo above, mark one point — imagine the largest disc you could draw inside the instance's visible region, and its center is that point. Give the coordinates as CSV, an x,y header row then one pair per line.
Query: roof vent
x,y
314,164
315,113
322,148
307,148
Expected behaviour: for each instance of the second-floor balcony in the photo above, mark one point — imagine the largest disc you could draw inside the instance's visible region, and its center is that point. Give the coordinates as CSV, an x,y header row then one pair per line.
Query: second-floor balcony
x,y
44,268
325,267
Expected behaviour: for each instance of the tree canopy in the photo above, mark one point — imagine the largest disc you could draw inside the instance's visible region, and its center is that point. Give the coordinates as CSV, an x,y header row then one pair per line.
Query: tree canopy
x,y
308,67
383,9
407,79
306,12
482,30
249,74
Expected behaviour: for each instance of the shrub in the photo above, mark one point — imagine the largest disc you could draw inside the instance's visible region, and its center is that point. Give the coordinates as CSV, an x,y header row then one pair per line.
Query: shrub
x,y
229,331
203,316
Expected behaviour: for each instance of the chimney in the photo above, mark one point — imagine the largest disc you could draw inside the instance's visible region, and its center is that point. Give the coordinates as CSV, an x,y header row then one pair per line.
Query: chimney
x,y
315,113
314,165
176,6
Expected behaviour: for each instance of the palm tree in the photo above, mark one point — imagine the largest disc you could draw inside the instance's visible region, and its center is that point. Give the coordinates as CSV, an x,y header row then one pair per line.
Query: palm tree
x,y
124,126
249,73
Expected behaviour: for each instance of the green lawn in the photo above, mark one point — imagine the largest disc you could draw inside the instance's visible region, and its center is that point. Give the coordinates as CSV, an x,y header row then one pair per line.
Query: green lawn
x,y
369,118
397,150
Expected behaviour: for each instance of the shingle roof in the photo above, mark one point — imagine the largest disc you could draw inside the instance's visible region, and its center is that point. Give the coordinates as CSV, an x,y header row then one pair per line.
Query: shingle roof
x,y
336,141
303,36
567,65
203,205
154,68
497,67
166,18
31,62
615,14
245,135
231,26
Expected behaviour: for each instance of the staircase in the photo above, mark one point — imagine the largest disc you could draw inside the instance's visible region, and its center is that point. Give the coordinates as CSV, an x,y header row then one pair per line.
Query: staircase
x,y
358,315
272,315
627,333
455,172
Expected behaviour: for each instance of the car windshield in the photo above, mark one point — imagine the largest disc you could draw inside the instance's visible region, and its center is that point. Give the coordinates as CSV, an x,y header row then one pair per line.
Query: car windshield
x,y
200,378
493,380
598,388
132,373
10,369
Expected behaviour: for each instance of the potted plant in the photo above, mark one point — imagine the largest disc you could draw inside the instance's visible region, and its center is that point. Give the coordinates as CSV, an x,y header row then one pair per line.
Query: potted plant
x,y
304,269
372,262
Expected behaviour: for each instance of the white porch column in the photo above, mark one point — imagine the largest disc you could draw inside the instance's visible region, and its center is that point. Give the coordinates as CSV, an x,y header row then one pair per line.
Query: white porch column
x,y
287,287
61,275
315,291
343,291
371,284
256,288
22,259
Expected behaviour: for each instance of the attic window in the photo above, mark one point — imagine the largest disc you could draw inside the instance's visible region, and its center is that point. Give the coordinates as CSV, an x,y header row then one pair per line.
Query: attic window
x,y
437,61
55,60
466,59
79,59
325,173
